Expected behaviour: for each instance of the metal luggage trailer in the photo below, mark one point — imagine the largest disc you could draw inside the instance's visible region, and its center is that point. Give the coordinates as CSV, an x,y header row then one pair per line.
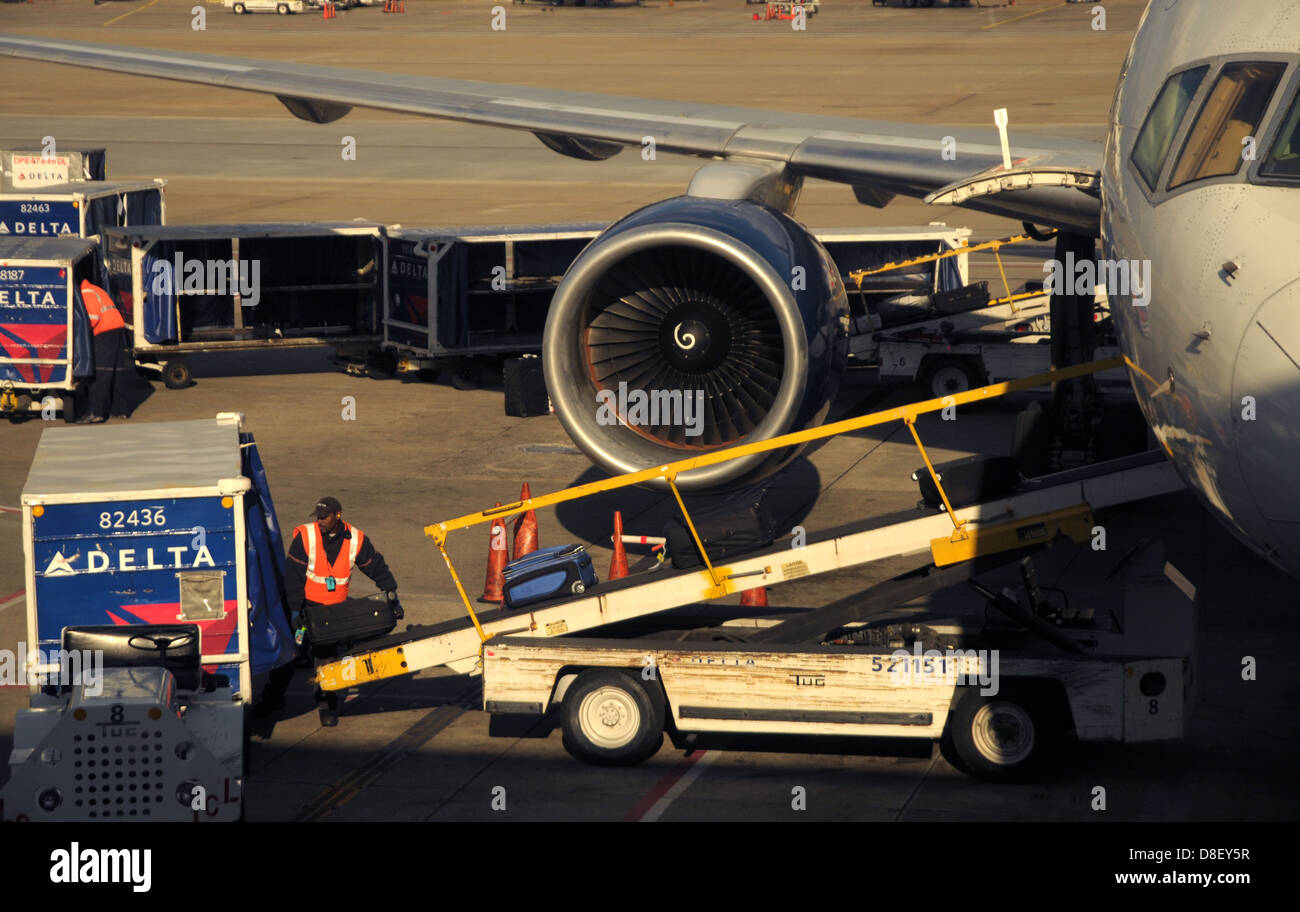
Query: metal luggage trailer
x,y
311,284
81,208
453,293
44,333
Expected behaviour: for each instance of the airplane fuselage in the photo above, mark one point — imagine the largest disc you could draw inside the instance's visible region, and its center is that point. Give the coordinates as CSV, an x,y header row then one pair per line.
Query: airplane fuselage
x,y
1216,352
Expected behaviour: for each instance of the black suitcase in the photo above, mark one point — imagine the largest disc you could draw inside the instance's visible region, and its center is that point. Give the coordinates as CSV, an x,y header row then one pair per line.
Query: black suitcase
x,y
348,621
960,300
525,388
735,527
972,480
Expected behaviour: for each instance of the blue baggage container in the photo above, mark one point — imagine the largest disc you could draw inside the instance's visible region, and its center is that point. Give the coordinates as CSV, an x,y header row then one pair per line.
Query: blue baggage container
x,y
82,208
46,346
163,523
548,573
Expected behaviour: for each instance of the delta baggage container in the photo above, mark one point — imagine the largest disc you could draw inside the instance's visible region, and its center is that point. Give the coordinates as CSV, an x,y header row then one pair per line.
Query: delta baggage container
x,y
163,523
473,291
244,287
81,208
25,169
455,294
46,344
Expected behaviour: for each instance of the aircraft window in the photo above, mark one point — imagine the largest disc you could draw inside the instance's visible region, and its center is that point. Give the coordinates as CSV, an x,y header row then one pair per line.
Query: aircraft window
x,y
1232,112
1162,122
1284,159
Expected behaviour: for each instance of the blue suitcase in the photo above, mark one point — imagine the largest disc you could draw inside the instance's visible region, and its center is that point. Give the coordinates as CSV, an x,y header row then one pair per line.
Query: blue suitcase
x,y
548,573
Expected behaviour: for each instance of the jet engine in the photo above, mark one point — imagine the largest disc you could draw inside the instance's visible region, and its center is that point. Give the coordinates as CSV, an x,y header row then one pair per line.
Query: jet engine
x,y
695,324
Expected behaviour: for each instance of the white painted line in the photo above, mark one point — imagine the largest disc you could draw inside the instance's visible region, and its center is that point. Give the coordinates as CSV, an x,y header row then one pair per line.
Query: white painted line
x,y
16,600
678,787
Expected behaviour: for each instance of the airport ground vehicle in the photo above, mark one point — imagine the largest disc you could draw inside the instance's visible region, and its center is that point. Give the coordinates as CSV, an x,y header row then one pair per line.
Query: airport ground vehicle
x,y
81,208
282,7
244,287
998,700
532,675
784,9
158,666
455,294
951,353
47,348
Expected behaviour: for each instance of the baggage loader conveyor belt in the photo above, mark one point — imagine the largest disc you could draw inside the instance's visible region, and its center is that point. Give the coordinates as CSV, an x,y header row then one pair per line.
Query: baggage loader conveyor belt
x,y
1038,511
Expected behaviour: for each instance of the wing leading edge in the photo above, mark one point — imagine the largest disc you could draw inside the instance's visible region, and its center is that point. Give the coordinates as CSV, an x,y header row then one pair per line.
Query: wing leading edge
x,y
879,159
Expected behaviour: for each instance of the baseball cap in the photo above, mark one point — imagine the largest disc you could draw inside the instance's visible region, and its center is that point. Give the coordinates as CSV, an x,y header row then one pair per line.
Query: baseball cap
x,y
327,506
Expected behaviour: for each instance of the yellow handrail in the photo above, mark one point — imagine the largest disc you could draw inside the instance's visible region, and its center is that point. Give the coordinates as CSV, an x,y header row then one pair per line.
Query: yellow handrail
x,y
858,275
668,472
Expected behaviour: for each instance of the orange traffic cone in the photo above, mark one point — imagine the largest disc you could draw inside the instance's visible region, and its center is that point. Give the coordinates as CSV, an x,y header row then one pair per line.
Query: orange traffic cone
x,y
618,563
493,586
754,598
525,528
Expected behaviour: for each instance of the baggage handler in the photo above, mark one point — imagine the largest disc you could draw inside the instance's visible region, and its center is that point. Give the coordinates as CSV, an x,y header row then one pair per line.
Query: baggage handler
x,y
322,558
111,389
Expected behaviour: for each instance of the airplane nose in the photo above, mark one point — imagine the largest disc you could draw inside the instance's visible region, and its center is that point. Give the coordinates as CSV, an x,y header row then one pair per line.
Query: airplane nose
x,y
1268,439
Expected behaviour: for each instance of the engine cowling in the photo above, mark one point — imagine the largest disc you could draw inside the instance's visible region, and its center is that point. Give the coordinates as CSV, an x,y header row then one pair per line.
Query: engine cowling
x,y
731,305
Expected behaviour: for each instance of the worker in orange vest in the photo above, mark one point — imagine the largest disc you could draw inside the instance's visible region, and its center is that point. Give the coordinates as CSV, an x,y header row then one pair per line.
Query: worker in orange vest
x,y
323,556
107,393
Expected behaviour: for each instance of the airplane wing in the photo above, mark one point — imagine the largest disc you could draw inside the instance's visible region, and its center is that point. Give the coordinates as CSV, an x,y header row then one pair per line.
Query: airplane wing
x,y
1052,181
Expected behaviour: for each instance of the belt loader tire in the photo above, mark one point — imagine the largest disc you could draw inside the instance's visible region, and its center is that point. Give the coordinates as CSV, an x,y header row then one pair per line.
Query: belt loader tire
x,y
611,718
1003,737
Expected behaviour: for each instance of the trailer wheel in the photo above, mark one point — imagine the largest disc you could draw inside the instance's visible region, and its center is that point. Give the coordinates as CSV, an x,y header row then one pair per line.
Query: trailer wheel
x,y
1004,737
176,374
948,376
282,9
240,9
69,408
609,718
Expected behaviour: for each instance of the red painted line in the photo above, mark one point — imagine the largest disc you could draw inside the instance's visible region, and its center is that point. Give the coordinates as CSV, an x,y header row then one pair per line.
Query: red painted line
x,y
661,787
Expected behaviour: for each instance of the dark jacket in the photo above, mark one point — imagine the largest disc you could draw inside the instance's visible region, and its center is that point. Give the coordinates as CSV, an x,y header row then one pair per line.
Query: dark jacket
x,y
369,561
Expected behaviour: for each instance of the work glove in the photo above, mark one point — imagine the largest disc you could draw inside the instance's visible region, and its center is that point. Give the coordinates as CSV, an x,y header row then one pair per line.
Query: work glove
x,y
395,604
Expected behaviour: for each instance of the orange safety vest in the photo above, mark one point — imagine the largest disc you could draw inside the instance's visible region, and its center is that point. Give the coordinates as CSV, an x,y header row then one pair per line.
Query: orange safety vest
x,y
103,313
319,569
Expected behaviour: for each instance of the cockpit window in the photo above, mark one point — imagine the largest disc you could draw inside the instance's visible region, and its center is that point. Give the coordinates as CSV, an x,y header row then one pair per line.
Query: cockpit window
x,y
1162,122
1231,112
1284,158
